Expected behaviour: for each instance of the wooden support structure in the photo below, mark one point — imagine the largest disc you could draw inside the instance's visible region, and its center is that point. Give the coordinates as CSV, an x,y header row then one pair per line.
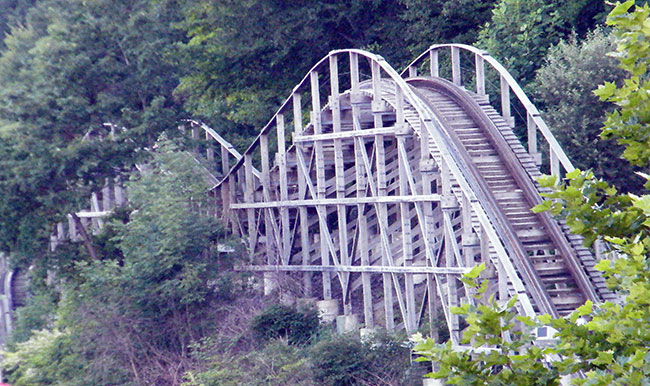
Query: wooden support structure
x,y
382,190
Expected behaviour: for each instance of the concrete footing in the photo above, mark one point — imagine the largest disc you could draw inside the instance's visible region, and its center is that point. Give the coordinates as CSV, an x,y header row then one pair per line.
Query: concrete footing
x,y
346,323
431,382
270,283
328,310
366,333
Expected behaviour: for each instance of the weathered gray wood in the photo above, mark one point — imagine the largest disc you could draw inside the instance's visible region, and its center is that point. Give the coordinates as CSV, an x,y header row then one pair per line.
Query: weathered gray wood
x,y
532,138
480,74
281,158
433,60
389,317
248,197
455,66
355,268
339,173
505,102
345,134
302,192
350,201
320,181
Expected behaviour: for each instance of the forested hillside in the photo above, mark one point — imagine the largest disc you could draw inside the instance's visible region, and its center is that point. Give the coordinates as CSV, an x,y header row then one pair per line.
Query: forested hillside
x,y
89,89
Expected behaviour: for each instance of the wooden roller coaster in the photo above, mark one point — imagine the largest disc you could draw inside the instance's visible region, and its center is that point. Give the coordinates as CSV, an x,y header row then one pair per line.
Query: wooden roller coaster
x,y
375,199
388,191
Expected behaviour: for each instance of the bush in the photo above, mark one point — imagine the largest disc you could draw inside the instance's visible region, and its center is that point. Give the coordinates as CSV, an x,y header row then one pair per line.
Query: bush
x,y
285,322
344,360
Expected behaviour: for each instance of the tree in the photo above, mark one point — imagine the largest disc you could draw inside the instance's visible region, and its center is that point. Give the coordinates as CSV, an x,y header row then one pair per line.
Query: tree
x,y
610,345
520,32
430,22
563,86
133,314
13,14
243,58
73,66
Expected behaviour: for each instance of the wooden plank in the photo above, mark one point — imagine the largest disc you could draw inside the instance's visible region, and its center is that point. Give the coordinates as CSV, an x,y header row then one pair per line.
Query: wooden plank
x,y
457,271
345,134
93,214
362,185
97,221
349,201
382,216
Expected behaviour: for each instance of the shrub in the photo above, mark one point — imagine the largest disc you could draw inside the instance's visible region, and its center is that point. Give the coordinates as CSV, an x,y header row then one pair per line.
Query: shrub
x,y
344,360
296,326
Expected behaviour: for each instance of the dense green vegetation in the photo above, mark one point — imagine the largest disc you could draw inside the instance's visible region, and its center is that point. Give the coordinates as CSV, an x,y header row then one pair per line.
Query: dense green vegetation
x,y
90,88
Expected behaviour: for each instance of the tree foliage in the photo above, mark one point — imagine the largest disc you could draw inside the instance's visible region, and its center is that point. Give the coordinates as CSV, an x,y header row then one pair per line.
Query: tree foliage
x,y
133,314
239,72
520,32
563,86
70,68
608,343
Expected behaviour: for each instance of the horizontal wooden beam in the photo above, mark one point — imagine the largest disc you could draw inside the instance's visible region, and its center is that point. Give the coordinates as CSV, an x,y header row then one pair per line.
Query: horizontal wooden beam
x,y
88,214
345,134
352,268
338,201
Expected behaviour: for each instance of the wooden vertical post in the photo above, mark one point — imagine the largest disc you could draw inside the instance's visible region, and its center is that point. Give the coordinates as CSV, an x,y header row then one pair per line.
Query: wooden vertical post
x,y
404,209
449,205
107,202
339,173
555,162
505,102
320,181
361,177
302,192
413,72
195,137
532,138
209,152
469,240
234,181
455,66
97,222
72,229
427,167
435,66
284,189
120,197
266,191
225,186
248,198
382,212
480,74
